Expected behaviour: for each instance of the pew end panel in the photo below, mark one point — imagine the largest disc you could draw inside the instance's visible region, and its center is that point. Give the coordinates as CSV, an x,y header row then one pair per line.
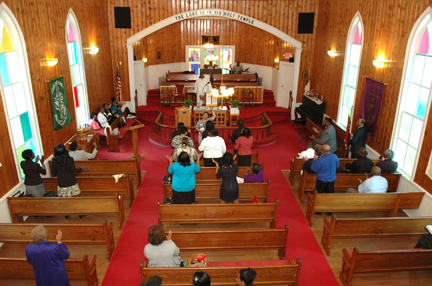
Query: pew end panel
x,y
109,238
310,207
383,260
328,233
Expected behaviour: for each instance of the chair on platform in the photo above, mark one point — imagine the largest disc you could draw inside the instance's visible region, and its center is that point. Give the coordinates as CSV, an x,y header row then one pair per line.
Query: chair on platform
x,y
248,95
180,96
298,120
166,97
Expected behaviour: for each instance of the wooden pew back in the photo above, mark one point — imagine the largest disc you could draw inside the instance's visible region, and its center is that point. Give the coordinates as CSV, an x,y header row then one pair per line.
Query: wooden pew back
x,y
229,239
254,159
209,173
372,227
383,260
343,182
287,274
47,206
218,213
209,192
176,77
388,202
296,165
72,233
235,78
103,185
76,268
109,168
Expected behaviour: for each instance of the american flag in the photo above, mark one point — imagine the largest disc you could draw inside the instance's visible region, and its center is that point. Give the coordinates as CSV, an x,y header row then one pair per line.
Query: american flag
x,y
347,133
118,86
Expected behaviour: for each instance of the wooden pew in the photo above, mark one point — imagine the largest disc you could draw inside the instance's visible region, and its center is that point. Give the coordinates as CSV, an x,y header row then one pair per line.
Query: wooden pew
x,y
254,159
372,227
72,234
382,260
343,181
113,139
218,213
296,165
58,206
235,78
209,173
209,192
95,185
285,274
77,269
109,168
306,131
387,202
229,240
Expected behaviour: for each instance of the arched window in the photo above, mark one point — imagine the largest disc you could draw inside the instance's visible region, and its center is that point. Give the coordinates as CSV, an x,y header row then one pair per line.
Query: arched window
x,y
351,70
15,88
74,47
414,96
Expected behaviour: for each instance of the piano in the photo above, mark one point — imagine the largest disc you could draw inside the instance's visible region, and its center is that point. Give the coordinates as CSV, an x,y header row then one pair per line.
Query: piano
x,y
312,109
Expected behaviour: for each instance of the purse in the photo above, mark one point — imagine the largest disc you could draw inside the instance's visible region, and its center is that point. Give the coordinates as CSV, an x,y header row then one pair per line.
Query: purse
x,y
197,260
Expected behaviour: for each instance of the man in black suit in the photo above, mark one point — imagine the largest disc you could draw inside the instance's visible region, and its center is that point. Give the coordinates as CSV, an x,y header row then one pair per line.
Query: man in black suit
x,y
359,138
388,166
177,132
363,164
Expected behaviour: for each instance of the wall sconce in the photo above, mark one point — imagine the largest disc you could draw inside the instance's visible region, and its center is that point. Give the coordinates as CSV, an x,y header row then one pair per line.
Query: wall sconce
x,y
332,53
276,60
144,60
92,50
380,62
50,62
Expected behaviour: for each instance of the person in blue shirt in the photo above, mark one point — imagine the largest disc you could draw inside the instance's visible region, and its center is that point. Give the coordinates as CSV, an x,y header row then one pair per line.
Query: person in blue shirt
x,y
325,167
47,258
116,106
183,182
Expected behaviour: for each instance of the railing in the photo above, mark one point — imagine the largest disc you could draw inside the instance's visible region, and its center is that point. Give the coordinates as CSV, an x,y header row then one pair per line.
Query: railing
x,y
260,132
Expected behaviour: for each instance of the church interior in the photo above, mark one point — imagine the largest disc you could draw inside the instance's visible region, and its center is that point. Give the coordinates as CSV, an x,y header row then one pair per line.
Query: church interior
x,y
301,61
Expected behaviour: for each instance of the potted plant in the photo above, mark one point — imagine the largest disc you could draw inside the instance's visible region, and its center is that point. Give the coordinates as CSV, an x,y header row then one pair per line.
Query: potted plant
x,y
235,104
188,103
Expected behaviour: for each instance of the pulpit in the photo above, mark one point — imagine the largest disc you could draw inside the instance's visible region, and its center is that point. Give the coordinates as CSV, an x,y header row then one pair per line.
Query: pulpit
x,y
134,130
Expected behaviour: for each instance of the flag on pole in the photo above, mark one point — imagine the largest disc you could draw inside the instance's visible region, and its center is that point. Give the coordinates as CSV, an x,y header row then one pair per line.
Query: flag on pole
x,y
347,133
118,86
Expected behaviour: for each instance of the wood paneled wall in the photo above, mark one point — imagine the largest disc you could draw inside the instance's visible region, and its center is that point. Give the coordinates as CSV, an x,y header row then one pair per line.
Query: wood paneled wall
x,y
43,25
387,26
282,14
251,43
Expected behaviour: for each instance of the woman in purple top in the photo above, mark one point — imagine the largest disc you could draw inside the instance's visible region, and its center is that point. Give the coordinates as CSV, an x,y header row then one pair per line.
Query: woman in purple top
x,y
256,176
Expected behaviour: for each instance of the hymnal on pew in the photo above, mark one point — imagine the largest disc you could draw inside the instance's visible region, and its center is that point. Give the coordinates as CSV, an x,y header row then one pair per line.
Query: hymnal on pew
x,y
429,228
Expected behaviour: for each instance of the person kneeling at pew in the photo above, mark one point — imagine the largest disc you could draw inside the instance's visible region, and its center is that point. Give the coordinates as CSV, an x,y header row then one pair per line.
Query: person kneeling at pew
x,y
153,281
246,277
201,279
161,251
375,184
229,191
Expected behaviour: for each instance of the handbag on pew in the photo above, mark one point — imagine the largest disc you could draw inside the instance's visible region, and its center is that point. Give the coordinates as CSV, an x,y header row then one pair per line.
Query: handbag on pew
x,y
51,194
255,200
197,260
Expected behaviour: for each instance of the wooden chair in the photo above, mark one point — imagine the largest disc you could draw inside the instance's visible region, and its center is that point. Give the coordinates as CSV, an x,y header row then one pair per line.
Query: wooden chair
x,y
249,96
166,97
180,96
298,120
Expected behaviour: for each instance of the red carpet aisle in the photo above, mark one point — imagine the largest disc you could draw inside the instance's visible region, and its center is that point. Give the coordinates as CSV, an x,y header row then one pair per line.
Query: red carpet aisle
x,y
124,266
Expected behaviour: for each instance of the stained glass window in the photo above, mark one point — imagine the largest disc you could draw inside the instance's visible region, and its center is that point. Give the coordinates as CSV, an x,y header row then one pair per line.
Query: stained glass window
x,y
15,92
194,59
350,73
415,98
226,61
77,71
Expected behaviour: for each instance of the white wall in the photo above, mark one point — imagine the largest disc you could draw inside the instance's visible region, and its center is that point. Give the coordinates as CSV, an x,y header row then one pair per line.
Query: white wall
x,y
154,72
274,82
4,210
263,72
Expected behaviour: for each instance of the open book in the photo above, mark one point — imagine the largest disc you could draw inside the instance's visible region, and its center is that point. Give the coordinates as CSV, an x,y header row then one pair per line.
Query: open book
x,y
429,228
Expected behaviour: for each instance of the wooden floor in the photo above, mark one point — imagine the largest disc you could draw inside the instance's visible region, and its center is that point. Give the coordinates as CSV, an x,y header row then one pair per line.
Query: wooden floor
x,y
419,277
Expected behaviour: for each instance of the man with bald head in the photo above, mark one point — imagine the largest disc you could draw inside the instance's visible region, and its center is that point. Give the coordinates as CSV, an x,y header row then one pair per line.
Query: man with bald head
x,y
325,167
375,184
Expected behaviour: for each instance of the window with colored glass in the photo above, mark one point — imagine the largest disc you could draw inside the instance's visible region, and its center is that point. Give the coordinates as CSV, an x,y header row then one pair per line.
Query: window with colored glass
x,y
414,103
16,93
79,88
350,73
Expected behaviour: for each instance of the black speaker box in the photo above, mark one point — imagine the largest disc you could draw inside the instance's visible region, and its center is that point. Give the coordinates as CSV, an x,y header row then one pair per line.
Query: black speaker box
x,y
306,23
122,17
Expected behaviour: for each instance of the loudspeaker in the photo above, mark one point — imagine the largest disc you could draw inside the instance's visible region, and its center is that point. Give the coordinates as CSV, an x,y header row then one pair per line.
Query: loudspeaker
x,y
122,17
306,23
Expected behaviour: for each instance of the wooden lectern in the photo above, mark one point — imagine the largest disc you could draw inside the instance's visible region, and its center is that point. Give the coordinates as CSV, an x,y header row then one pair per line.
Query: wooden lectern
x,y
134,130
